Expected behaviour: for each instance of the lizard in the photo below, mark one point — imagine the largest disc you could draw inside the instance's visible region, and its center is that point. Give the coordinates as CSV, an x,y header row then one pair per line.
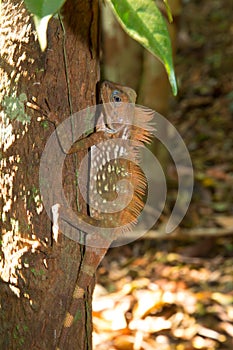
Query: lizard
x,y
121,129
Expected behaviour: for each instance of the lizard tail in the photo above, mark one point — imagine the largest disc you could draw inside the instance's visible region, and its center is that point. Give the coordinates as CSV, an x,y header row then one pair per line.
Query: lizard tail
x,y
92,258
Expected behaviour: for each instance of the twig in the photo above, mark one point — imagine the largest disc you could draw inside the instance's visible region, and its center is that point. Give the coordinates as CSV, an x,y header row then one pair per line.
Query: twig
x,y
184,233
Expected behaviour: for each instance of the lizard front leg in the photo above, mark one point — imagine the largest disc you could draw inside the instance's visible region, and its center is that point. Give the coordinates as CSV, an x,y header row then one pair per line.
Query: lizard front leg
x,y
88,141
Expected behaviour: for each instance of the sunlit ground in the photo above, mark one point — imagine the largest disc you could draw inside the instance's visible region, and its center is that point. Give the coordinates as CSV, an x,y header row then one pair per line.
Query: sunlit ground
x,y
164,301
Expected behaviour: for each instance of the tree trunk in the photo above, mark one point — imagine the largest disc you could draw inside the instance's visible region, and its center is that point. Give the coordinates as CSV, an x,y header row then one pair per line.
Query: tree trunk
x,y
37,274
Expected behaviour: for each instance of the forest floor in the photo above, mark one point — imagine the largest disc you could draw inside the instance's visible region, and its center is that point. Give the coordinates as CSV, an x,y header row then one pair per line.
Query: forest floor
x,y
177,293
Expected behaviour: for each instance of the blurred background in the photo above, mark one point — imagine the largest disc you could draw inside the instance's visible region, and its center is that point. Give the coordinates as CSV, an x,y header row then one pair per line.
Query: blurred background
x,y
176,291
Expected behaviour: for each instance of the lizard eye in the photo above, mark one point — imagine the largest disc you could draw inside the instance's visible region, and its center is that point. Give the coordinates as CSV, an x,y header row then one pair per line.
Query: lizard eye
x,y
115,96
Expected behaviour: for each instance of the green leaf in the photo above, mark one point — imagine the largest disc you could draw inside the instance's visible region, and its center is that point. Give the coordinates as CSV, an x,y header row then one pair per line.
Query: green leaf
x,y
42,11
43,8
41,25
143,21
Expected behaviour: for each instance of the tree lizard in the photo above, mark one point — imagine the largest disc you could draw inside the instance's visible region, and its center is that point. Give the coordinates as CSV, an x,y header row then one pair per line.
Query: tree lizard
x,y
121,129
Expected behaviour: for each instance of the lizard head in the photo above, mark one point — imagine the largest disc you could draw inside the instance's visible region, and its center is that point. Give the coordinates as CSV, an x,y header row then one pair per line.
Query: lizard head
x,y
116,93
118,105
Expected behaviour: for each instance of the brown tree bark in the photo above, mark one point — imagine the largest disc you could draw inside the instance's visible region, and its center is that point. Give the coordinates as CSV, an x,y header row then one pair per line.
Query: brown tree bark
x,y
38,275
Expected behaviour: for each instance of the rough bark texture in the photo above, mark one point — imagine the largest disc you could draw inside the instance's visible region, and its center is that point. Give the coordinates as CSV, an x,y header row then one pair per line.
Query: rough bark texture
x,y
38,275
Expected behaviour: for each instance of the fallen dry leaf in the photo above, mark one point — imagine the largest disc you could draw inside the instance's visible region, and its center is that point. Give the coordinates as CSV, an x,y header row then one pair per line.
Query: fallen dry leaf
x,y
150,324
146,302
